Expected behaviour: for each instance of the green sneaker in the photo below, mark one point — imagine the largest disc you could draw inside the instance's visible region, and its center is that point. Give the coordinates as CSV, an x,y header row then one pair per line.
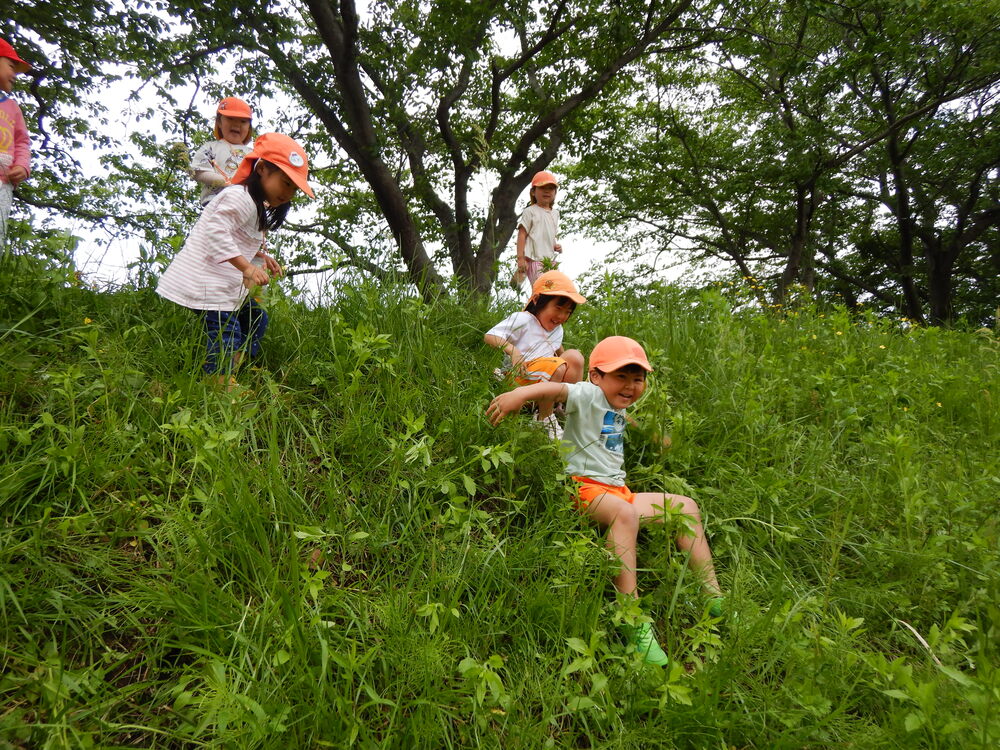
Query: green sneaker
x,y
717,606
641,636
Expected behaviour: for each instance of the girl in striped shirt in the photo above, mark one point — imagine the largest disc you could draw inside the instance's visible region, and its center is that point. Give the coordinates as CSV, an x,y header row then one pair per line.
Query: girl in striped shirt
x,y
222,259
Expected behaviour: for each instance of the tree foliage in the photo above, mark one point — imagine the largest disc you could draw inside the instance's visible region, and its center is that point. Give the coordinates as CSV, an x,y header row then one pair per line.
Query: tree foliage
x,y
845,147
425,105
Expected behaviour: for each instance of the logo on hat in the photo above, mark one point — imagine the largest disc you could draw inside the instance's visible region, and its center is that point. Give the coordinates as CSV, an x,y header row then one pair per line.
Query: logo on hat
x,y
295,159
549,284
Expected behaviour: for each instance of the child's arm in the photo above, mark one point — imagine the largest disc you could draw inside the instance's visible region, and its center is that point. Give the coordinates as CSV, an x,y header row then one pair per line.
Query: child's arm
x,y
204,170
513,400
516,358
522,240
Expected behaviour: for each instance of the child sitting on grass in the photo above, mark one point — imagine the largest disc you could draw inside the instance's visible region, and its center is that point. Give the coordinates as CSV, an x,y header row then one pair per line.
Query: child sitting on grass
x,y
532,341
595,427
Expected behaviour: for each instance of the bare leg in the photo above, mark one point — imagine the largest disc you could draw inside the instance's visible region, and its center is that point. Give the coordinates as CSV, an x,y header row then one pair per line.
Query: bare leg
x,y
574,365
621,520
545,405
651,505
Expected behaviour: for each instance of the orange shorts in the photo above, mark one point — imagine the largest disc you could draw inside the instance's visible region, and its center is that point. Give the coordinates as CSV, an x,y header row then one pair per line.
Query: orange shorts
x,y
539,370
590,490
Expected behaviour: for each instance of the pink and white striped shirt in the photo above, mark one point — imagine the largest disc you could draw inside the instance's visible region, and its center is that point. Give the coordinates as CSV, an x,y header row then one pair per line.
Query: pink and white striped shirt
x,y
200,277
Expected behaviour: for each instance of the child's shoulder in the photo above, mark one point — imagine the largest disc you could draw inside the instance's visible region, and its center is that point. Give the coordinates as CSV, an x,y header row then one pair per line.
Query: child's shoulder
x,y
518,317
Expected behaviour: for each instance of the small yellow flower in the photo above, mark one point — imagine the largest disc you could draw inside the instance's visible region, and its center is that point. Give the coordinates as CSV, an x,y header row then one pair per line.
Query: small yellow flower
x,y
881,346
814,335
87,321
906,408
840,333
939,404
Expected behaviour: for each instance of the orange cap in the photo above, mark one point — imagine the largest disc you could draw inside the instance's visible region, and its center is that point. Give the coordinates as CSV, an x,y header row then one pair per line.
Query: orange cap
x,y
7,51
544,178
233,107
557,284
282,152
614,352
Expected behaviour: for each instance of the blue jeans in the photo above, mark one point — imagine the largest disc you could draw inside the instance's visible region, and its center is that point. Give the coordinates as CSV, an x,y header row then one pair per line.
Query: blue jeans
x,y
231,332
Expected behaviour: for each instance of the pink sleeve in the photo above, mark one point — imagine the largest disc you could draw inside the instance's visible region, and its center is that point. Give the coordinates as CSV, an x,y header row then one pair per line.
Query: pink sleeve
x,y
22,143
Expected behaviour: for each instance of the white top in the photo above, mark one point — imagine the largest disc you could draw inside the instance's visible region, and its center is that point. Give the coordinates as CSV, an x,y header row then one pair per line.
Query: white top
x,y
523,330
199,276
596,432
226,155
542,226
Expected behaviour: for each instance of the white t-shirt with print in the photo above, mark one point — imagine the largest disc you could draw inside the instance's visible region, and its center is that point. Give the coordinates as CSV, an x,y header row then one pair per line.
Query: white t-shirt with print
x,y
228,156
542,226
596,432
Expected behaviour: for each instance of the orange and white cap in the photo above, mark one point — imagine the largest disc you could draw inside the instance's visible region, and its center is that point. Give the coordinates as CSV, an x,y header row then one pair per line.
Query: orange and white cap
x,y
233,107
7,51
544,178
615,352
557,284
284,153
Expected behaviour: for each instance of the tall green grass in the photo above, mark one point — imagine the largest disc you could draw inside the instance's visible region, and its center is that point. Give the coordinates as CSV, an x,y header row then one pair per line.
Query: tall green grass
x,y
351,556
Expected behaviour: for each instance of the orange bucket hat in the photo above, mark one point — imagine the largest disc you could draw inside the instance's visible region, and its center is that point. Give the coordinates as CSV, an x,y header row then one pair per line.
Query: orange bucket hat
x,y
557,284
615,352
7,51
544,178
282,152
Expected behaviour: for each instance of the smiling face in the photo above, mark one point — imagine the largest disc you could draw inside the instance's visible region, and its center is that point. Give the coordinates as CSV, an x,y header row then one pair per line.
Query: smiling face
x,y
7,73
621,387
277,186
235,130
555,312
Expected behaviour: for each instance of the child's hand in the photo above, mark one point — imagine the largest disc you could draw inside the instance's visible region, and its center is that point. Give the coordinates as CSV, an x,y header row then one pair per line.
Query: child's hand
x,y
516,360
255,276
17,174
503,405
272,266
557,247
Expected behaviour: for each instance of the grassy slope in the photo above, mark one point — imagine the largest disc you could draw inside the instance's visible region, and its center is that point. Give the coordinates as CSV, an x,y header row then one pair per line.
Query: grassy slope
x,y
155,578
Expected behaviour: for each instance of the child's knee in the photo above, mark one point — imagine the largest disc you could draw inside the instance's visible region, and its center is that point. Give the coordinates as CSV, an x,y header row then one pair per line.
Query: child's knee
x,y
688,506
574,365
628,517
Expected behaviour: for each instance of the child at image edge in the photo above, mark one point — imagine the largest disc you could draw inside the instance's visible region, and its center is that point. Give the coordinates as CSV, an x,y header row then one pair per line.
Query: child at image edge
x,y
538,228
15,146
595,426
532,341
215,163
214,271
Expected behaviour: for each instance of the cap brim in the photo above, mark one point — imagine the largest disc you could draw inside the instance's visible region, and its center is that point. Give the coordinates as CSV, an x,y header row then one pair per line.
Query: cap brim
x,y
298,179
624,362
577,298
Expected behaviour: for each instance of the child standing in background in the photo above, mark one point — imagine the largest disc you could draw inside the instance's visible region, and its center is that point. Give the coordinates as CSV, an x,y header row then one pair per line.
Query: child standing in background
x,y
214,271
595,430
214,164
538,229
15,146
532,341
